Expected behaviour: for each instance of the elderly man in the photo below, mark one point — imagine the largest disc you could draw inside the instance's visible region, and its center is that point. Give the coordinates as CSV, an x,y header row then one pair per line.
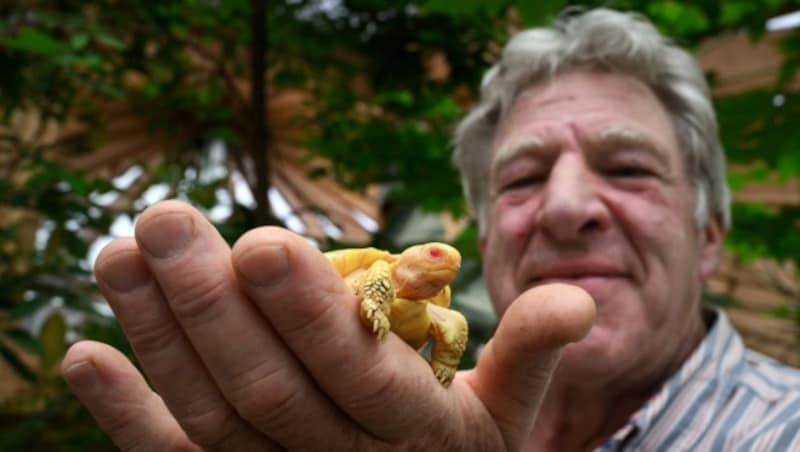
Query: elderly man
x,y
593,160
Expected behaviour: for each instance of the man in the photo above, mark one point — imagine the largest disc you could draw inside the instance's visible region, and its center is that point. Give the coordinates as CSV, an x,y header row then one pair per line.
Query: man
x,y
593,160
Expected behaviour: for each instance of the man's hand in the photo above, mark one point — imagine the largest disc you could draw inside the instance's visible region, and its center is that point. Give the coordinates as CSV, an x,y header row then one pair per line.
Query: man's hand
x,y
261,348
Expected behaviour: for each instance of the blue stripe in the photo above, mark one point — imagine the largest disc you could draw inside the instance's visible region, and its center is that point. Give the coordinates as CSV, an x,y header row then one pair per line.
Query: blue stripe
x,y
790,434
685,422
734,416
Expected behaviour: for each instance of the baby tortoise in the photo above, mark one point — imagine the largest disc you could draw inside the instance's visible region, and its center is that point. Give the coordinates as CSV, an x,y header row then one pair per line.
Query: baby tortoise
x,y
409,293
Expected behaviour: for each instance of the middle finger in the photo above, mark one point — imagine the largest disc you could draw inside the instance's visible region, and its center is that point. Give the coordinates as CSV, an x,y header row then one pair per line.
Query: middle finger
x,y
255,371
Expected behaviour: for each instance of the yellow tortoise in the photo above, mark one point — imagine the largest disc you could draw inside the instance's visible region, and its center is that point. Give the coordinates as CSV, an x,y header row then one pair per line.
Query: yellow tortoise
x,y
409,293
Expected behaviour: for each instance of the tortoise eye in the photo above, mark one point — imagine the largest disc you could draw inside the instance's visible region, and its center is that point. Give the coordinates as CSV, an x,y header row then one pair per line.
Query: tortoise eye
x,y
435,252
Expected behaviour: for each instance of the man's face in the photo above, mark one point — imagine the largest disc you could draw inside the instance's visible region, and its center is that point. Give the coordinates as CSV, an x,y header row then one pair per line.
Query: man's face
x,y
588,186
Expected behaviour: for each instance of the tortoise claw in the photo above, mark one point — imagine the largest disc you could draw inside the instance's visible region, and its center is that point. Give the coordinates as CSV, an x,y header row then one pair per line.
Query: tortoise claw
x,y
376,319
444,374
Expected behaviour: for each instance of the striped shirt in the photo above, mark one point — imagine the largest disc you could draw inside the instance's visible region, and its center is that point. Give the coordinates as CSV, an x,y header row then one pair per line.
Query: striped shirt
x,y
724,398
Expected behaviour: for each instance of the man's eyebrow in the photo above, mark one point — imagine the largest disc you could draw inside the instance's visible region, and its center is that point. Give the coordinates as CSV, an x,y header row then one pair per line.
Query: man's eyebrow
x,y
622,136
528,145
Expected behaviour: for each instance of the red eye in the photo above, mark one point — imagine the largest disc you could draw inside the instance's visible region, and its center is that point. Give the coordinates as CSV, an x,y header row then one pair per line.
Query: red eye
x,y
435,252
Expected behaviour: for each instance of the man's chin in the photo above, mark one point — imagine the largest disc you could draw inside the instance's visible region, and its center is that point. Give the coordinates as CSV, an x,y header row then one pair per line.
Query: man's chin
x,y
596,352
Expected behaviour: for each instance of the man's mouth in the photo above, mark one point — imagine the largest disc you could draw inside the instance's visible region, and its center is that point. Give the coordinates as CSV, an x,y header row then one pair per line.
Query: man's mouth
x,y
577,271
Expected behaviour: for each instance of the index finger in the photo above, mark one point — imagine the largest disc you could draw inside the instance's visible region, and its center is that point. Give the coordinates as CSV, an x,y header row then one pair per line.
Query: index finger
x,y
316,314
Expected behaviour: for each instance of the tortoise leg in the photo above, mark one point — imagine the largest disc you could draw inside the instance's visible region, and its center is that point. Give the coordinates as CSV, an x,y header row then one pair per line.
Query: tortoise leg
x,y
377,294
449,332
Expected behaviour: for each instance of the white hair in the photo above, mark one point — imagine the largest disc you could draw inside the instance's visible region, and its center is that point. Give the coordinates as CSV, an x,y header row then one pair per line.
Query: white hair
x,y
609,41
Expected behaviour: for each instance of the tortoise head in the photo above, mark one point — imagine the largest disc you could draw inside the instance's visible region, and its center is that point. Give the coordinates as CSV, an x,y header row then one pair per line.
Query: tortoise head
x,y
422,271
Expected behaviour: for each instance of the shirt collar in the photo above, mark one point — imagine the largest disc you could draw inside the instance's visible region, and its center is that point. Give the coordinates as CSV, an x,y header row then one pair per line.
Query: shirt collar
x,y
720,352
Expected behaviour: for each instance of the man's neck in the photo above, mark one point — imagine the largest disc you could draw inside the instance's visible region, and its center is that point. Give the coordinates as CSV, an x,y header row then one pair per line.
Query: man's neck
x,y
574,419
576,416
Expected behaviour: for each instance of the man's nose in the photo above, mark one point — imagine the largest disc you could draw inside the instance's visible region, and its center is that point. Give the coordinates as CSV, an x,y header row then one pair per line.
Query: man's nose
x,y
571,205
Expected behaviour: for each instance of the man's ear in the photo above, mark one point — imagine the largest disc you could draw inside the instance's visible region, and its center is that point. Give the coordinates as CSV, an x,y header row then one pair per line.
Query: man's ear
x,y
713,235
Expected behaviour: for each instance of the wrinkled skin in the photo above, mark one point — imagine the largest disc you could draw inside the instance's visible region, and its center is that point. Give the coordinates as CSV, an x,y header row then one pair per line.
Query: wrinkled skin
x,y
409,293
245,349
590,188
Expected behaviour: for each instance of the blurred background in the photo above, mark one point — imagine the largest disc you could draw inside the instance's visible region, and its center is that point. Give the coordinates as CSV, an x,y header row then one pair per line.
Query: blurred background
x,y
331,118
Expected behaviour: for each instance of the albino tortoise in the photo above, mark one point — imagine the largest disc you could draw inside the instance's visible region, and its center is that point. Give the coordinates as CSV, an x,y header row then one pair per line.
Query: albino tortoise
x,y
409,293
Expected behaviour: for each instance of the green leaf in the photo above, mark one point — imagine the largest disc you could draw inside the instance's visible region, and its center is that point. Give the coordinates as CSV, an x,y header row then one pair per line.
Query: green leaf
x,y
737,180
398,98
735,11
746,251
535,12
110,40
53,340
87,60
77,182
79,41
34,41
446,109
786,312
719,300
789,163
462,7
787,71
790,44
681,19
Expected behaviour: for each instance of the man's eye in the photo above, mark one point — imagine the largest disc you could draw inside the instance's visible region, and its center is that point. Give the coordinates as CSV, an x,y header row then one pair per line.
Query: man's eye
x,y
523,182
628,171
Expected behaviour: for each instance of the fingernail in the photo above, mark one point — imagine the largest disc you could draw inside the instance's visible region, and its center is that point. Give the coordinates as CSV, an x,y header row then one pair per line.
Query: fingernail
x,y
265,266
81,376
123,272
166,235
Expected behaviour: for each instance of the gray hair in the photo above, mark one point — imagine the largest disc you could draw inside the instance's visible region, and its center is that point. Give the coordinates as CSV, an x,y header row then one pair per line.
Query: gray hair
x,y
609,41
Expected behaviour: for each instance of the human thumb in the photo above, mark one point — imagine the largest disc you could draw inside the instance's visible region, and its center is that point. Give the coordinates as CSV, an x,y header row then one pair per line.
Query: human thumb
x,y
514,368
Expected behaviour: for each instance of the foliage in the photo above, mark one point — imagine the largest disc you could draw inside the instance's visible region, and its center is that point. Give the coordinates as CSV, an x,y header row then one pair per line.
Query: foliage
x,y
763,139
387,79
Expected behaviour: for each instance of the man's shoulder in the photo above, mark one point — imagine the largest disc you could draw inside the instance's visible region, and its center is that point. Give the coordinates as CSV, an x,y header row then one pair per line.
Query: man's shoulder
x,y
727,397
757,408
774,422
738,367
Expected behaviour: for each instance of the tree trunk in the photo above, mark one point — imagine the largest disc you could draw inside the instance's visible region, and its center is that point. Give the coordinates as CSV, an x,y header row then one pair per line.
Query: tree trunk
x,y
259,138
